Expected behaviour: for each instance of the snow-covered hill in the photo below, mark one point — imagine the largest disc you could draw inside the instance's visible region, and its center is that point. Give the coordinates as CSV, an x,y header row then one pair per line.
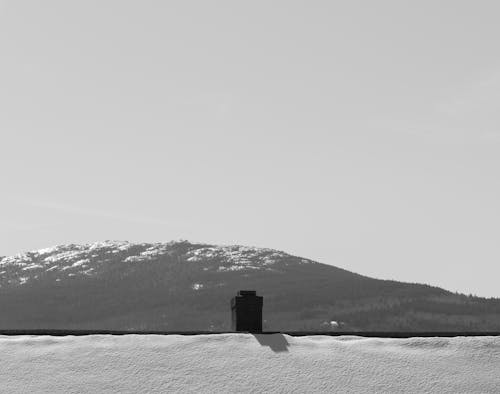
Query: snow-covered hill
x,y
65,261
120,285
240,363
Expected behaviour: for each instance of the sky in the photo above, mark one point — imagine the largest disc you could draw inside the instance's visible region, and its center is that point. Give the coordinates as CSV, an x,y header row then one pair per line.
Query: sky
x,y
360,134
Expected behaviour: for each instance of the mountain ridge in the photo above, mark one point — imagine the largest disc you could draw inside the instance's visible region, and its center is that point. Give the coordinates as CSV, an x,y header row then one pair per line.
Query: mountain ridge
x,y
182,285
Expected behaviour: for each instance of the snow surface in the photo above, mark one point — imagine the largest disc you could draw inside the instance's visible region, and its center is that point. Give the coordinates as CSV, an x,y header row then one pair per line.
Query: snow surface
x,y
230,363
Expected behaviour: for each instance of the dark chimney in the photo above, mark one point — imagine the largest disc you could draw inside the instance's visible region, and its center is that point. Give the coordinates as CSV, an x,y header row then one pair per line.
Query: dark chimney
x,y
246,311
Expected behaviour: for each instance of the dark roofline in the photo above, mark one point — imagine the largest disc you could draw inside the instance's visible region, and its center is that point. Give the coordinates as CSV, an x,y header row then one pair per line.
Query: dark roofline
x,y
370,334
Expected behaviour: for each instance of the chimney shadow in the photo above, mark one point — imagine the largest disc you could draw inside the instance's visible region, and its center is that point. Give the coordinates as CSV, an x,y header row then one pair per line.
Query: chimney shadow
x,y
276,342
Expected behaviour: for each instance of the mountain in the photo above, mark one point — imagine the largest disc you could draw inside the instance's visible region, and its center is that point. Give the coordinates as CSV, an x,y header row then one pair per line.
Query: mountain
x,y
185,286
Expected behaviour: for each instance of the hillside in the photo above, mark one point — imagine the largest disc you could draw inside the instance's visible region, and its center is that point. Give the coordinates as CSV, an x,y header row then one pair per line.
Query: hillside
x,y
184,286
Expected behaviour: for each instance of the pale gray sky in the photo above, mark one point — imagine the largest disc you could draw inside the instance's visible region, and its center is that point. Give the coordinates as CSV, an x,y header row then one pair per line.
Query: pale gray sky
x,y
360,134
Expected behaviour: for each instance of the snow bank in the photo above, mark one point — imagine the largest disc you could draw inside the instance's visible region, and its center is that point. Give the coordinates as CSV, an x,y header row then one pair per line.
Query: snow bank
x,y
232,363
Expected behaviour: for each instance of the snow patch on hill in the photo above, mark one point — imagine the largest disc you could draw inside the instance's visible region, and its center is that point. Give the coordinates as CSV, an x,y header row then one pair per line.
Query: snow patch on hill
x,y
245,363
69,261
238,258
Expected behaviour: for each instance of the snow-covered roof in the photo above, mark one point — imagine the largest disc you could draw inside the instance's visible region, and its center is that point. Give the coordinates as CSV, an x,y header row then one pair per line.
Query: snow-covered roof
x,y
229,363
